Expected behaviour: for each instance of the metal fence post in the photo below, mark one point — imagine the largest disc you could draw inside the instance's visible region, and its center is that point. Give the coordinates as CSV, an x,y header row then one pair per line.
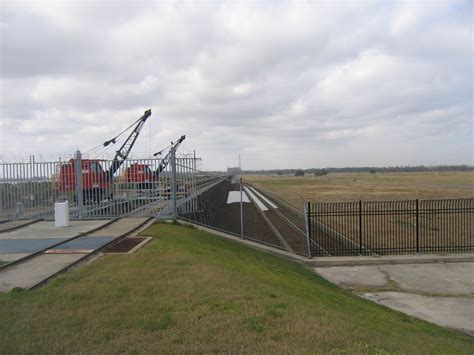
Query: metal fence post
x,y
79,191
173,181
360,227
19,209
417,228
241,213
307,214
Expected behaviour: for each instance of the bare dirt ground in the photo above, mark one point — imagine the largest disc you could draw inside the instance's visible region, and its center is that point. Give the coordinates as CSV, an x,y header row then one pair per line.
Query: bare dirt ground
x,y
255,227
366,186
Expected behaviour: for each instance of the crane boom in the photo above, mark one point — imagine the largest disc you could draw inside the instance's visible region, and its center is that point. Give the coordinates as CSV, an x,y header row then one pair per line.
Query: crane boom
x,y
126,147
167,158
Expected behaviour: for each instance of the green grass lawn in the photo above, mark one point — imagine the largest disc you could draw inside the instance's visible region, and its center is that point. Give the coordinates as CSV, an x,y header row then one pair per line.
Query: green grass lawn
x,y
189,291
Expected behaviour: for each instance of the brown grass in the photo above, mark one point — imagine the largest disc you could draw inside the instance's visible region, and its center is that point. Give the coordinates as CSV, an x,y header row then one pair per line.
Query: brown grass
x,y
366,186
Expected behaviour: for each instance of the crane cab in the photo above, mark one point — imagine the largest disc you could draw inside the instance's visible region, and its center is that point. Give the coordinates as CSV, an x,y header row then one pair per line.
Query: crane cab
x,y
139,173
95,181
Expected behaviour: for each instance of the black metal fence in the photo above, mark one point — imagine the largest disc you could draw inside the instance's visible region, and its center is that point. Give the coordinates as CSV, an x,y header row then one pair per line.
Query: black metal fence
x,y
207,203
391,227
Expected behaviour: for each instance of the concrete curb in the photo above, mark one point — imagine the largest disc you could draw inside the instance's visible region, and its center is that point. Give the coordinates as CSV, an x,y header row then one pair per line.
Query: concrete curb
x,y
330,261
249,243
391,260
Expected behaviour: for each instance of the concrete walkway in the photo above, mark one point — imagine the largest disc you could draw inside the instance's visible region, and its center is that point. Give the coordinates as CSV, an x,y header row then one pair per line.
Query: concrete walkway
x,y
11,225
26,240
442,293
39,268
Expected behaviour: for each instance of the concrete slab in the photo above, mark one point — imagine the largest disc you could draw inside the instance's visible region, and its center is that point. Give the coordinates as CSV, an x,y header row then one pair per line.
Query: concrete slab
x,y
8,258
46,229
452,312
389,259
268,202
444,279
448,279
254,198
234,197
120,227
423,290
14,246
33,271
5,226
84,243
355,276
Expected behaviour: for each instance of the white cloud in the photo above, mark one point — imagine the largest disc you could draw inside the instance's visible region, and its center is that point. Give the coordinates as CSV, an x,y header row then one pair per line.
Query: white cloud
x,y
285,84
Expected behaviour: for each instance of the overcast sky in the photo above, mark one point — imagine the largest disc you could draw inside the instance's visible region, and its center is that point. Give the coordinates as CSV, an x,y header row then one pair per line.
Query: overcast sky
x,y
285,84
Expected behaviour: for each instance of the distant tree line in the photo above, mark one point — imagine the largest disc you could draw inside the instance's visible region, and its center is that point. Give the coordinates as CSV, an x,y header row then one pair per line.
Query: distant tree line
x,y
367,169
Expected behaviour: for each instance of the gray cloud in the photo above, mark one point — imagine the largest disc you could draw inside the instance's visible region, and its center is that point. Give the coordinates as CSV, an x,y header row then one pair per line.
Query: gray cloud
x,y
286,85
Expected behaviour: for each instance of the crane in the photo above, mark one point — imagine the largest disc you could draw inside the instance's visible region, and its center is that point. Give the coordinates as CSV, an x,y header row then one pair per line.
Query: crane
x,y
141,174
126,147
95,181
165,161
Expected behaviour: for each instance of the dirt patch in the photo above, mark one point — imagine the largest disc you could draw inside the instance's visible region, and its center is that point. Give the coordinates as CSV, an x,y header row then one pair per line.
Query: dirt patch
x,y
125,245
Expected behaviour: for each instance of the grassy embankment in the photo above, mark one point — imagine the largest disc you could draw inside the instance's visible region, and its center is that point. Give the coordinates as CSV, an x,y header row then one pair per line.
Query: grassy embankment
x,y
366,186
189,291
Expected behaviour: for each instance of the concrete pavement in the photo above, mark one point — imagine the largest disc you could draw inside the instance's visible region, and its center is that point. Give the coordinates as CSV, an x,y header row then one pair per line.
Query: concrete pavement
x,y
41,267
442,293
14,224
31,238
451,312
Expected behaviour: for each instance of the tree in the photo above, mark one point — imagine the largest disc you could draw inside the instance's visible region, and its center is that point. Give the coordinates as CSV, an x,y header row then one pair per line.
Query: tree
x,y
320,173
299,172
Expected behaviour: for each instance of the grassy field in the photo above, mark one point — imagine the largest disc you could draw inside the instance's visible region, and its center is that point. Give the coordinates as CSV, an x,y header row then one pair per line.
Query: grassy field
x,y
366,186
188,291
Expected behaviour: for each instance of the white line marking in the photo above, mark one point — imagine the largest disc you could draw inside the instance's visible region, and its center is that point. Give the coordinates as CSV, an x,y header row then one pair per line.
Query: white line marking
x,y
264,198
255,198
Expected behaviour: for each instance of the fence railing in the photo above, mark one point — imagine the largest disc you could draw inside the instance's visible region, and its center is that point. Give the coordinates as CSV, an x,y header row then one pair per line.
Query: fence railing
x,y
139,186
391,227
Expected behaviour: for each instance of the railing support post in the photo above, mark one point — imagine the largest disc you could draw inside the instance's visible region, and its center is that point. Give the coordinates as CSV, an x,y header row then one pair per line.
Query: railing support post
x,y
241,212
173,182
360,227
79,190
307,214
417,225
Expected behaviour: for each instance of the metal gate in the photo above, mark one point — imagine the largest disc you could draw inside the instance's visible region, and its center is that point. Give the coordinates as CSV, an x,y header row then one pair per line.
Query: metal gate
x,y
29,189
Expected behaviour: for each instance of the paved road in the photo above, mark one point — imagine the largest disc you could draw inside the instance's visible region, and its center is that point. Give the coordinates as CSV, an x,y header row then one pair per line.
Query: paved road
x,y
442,293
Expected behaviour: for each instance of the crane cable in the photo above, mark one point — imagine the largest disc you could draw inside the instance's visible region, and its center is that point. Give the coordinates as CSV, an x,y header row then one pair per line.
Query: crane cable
x,y
113,140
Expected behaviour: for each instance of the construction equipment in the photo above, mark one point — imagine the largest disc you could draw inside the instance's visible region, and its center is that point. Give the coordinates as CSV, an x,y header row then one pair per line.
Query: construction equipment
x,y
96,181
143,175
165,161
